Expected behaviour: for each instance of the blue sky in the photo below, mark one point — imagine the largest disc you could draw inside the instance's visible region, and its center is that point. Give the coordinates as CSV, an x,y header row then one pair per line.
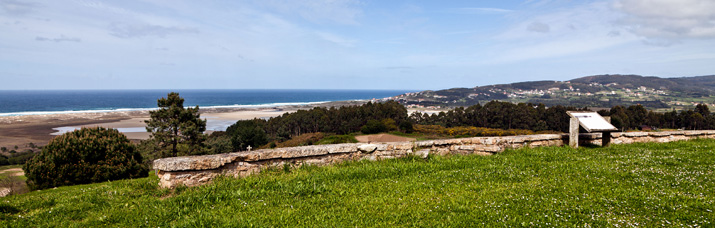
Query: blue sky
x,y
346,44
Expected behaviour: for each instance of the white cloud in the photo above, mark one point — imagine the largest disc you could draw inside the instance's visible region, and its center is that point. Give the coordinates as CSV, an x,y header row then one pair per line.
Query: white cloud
x,y
18,7
482,10
538,27
319,11
669,19
62,38
290,44
132,31
559,32
336,39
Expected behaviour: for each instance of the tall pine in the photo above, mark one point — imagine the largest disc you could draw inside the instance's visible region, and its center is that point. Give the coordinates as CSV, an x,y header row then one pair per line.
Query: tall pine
x,y
174,129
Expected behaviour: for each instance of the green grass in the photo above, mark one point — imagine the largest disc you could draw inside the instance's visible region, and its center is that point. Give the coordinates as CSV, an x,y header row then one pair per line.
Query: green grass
x,y
667,184
336,139
11,175
4,167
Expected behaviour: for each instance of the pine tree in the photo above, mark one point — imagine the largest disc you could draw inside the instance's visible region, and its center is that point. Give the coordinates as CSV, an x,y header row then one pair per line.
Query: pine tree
x,y
174,129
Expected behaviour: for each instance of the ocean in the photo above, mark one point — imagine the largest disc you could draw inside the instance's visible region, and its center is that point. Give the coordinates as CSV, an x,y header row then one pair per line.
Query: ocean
x,y
35,102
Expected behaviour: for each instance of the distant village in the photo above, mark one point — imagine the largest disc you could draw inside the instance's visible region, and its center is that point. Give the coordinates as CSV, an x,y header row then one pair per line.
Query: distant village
x,y
607,92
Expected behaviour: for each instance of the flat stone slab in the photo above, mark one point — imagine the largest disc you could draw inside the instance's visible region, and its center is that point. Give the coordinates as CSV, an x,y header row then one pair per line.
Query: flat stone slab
x,y
203,162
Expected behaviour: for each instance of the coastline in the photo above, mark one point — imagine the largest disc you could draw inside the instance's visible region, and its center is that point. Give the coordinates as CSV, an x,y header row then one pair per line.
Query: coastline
x,y
21,130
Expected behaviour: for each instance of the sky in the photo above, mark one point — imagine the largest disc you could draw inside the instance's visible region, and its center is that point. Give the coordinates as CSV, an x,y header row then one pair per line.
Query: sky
x,y
346,44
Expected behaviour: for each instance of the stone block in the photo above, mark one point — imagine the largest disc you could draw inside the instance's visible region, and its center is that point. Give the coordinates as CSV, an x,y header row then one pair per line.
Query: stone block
x,y
659,134
403,146
694,133
423,153
442,151
428,143
369,158
466,147
634,134
491,149
676,132
195,162
367,148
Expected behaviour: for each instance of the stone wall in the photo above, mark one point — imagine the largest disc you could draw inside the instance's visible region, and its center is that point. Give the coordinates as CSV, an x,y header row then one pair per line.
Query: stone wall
x,y
198,170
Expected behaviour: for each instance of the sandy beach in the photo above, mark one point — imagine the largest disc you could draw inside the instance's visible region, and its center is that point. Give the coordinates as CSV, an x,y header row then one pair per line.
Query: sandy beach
x,y
39,129
135,127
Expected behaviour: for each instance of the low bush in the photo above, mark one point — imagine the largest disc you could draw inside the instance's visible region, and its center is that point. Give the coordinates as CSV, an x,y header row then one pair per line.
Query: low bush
x,y
84,156
337,139
407,127
373,127
468,131
300,140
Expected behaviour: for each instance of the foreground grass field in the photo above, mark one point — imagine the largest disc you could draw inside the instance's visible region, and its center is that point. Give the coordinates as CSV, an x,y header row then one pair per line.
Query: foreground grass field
x,y
668,185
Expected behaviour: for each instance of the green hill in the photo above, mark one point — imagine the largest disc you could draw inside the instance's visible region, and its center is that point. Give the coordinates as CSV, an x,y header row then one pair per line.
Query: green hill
x,y
646,185
591,91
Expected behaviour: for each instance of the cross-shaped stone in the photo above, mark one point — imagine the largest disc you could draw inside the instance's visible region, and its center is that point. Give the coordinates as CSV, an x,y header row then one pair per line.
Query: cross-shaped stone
x,y
249,147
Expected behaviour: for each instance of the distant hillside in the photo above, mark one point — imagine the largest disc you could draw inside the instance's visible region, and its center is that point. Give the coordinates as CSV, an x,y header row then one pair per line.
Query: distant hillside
x,y
590,91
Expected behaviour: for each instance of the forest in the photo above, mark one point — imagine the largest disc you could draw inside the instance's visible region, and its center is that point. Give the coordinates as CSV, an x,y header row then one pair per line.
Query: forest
x,y
506,115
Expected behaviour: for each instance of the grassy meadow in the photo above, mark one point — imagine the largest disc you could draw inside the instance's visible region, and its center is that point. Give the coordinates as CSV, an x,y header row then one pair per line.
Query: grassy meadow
x,y
670,184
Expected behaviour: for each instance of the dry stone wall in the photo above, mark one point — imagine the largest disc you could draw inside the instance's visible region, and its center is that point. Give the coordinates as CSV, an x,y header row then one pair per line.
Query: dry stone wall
x,y
198,170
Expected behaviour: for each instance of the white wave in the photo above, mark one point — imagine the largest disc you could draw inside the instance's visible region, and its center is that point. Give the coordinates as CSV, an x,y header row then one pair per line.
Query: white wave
x,y
269,105
73,111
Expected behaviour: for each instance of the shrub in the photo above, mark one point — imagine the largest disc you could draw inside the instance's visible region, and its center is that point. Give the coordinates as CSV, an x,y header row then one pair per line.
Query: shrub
x,y
406,127
219,142
84,156
21,158
373,127
390,124
468,131
300,140
337,139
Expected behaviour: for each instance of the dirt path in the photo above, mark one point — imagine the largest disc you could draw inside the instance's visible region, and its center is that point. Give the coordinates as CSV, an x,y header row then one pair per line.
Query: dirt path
x,y
15,171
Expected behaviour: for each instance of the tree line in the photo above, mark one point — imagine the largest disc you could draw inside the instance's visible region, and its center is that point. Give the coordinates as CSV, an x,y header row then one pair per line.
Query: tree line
x,y
636,116
502,115
341,120
367,118
507,115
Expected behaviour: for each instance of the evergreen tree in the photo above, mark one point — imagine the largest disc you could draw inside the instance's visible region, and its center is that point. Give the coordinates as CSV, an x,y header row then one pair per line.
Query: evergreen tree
x,y
245,133
176,129
702,109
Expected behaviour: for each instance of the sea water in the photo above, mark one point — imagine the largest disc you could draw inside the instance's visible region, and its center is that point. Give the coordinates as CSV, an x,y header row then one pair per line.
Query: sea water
x,y
35,102
18,103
